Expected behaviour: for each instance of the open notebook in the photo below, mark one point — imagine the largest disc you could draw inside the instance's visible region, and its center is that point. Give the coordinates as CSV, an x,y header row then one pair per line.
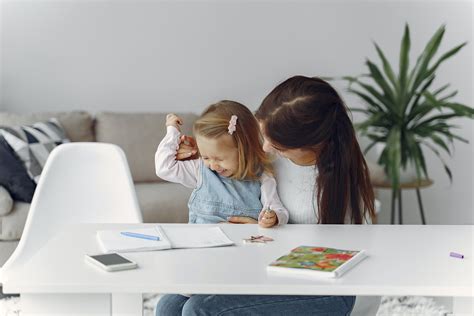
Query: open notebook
x,y
170,237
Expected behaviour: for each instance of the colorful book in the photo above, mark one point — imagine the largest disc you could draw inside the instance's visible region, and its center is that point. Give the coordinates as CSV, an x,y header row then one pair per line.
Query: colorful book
x,y
317,261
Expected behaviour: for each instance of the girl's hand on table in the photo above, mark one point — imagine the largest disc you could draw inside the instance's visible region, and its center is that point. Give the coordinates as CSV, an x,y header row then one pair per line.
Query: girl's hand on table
x,y
267,219
241,220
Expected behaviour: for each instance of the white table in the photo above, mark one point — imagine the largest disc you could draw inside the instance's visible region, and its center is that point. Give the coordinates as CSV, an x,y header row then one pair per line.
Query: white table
x,y
403,260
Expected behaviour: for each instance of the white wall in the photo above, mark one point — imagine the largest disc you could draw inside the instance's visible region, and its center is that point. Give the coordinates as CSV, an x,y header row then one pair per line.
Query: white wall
x,y
180,56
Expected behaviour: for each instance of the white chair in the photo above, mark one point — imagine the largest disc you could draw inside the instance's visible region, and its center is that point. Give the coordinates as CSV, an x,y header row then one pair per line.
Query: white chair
x,y
80,183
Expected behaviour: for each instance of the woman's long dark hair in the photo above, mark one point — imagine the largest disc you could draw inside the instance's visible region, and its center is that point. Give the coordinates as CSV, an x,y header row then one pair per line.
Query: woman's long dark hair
x,y
307,113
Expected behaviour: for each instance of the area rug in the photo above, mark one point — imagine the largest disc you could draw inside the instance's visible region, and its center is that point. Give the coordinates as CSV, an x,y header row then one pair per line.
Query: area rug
x,y
390,306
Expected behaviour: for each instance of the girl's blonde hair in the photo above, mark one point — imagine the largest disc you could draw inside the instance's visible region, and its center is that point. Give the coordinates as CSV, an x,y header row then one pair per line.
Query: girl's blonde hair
x,y
214,122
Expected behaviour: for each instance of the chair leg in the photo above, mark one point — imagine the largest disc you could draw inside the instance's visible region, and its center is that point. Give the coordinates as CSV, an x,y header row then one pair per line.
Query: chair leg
x,y
392,218
400,221
420,205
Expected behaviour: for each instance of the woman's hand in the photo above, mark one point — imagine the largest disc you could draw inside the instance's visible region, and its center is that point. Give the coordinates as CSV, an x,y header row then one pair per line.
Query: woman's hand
x,y
174,120
241,220
187,148
267,218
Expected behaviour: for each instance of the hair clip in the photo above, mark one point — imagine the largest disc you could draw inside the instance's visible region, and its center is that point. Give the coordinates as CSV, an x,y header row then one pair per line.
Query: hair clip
x,y
232,123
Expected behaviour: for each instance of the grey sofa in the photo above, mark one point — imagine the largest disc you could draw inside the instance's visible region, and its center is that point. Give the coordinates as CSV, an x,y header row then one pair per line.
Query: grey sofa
x,y
138,134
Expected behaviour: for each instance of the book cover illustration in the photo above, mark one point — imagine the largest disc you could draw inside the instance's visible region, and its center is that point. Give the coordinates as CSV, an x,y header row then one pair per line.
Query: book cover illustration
x,y
315,258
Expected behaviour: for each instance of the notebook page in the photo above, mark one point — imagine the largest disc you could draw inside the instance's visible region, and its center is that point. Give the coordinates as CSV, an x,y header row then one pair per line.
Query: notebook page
x,y
196,237
113,241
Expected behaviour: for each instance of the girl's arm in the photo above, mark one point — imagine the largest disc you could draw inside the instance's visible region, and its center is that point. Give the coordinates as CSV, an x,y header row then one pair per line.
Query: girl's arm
x,y
170,169
271,200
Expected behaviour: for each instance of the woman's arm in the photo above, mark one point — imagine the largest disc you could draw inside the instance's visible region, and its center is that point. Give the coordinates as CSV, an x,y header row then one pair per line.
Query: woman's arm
x,y
187,148
170,169
271,200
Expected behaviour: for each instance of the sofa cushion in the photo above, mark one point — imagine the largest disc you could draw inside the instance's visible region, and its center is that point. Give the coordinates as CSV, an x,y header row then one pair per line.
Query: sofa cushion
x,y
32,144
163,202
77,124
6,202
13,175
138,134
12,224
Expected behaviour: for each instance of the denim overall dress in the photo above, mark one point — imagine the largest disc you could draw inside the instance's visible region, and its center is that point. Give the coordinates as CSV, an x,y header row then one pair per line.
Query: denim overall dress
x,y
217,198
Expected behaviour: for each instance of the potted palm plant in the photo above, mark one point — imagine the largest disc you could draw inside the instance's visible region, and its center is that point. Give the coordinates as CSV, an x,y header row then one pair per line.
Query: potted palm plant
x,y
404,112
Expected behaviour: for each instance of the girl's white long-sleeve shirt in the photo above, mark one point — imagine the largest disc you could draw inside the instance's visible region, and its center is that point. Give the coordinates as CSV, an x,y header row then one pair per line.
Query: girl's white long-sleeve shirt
x,y
188,173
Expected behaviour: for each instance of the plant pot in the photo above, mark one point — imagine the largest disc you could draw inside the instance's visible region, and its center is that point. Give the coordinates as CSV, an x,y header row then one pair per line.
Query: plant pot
x,y
408,174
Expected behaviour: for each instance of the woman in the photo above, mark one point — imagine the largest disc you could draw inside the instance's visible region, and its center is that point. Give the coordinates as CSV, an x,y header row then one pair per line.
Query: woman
x,y
324,180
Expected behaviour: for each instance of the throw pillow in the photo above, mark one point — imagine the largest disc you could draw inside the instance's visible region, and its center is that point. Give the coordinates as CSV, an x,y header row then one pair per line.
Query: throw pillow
x,y
6,202
32,144
13,175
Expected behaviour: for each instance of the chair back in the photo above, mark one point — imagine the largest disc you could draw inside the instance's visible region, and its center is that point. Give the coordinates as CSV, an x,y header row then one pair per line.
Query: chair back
x,y
80,183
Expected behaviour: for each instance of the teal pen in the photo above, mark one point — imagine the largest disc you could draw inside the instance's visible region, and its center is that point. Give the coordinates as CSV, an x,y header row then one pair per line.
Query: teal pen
x,y
142,236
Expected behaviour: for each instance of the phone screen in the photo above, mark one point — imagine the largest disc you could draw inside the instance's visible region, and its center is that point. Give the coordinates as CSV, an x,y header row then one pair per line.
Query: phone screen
x,y
110,259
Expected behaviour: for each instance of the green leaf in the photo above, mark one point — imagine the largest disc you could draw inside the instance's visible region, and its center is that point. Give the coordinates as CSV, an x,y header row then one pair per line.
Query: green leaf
x,y
446,168
448,171
421,158
384,101
454,136
380,80
428,53
432,100
404,59
449,96
447,55
434,118
417,156
349,78
415,102
438,91
460,109
367,99
378,138
419,112
360,110
439,141
372,120
387,67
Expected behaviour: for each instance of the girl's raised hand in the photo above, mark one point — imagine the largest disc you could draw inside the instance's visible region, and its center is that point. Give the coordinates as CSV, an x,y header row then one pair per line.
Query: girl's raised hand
x,y
267,218
187,148
174,120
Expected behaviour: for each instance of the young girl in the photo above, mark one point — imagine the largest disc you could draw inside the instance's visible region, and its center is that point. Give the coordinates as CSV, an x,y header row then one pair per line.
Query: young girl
x,y
233,175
